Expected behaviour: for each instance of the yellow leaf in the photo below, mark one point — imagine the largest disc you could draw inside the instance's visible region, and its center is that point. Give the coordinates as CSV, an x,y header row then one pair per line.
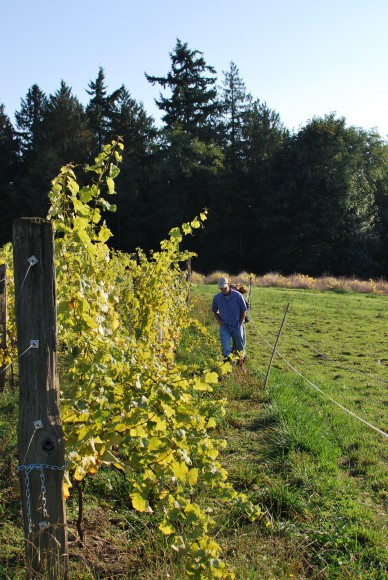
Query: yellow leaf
x,y
211,378
226,368
66,488
119,467
111,185
166,529
154,444
138,502
79,474
192,476
180,470
104,234
211,424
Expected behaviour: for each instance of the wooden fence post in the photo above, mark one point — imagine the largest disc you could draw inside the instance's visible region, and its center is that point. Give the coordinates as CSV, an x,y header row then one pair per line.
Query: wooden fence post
x,y
3,321
41,440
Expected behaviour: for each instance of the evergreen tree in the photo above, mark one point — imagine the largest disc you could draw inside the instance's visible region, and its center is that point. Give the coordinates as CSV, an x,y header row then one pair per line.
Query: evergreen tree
x,y
131,224
379,154
130,121
321,216
234,105
262,134
9,162
61,135
253,133
66,135
29,119
192,104
9,148
100,108
189,158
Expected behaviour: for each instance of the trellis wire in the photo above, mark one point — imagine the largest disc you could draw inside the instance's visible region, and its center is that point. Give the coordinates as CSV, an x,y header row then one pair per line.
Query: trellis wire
x,y
323,393
13,362
31,263
335,361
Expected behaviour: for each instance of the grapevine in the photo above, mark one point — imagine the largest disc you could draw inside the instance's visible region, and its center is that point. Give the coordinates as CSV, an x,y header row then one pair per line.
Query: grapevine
x,y
9,354
125,400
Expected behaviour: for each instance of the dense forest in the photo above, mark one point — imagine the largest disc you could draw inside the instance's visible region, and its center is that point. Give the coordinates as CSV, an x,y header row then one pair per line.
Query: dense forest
x,y
313,201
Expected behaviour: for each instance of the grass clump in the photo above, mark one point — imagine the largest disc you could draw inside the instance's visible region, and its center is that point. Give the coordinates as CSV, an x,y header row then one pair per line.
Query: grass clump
x,y
339,285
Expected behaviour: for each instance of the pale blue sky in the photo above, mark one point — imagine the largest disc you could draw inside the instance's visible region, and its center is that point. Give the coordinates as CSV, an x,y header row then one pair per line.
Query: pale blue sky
x,y
304,58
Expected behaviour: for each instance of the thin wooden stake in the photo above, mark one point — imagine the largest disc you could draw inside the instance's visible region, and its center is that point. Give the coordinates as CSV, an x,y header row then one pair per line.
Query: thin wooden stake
x,y
188,278
275,346
3,321
41,439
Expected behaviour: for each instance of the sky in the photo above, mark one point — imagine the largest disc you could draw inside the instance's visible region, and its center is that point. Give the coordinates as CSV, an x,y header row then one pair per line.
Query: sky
x,y
303,58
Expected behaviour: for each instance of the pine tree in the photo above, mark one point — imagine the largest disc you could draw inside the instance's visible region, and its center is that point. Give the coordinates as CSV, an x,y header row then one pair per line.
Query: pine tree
x,y
100,108
29,119
234,104
59,136
189,158
66,135
192,105
131,223
9,165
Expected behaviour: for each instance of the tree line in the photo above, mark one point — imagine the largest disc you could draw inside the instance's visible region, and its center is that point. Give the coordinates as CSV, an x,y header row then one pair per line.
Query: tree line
x,y
312,201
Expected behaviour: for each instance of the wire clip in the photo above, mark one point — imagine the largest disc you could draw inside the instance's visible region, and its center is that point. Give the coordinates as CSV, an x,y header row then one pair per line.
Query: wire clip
x,y
34,343
38,424
32,260
43,525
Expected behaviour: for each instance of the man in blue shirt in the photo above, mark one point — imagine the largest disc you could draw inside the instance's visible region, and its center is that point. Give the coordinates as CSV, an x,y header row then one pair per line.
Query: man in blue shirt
x,y
229,308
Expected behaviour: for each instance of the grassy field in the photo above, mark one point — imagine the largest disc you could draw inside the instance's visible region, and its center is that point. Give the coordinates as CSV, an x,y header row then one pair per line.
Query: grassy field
x,y
318,472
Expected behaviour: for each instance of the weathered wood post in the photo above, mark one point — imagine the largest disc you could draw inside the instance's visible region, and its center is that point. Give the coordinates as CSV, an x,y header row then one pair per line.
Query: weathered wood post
x,y
41,441
3,321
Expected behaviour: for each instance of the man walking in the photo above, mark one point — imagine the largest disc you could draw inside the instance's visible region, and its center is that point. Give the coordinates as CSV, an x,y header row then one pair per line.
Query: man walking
x,y
229,308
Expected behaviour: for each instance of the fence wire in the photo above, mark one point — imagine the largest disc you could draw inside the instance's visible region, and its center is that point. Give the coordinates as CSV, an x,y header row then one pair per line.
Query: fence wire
x,y
337,363
322,392
13,362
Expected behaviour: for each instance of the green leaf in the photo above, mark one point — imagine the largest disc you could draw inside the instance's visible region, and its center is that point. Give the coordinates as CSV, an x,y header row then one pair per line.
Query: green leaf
x,y
113,171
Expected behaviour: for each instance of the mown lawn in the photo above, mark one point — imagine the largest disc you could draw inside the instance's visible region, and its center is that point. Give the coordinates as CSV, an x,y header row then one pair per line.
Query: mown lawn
x,y
319,473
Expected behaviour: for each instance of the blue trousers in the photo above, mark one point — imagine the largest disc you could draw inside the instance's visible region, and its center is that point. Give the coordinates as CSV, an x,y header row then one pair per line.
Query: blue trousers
x,y
234,335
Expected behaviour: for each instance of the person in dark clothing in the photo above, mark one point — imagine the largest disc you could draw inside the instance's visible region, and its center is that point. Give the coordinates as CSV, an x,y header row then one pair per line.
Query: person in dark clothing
x,y
229,308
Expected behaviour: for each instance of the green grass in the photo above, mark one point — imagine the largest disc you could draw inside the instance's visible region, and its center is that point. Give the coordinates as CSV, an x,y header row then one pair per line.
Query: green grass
x,y
319,474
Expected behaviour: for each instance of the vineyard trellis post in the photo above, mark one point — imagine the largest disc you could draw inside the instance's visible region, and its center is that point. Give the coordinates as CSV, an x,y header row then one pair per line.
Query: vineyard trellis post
x,y
40,434
275,346
3,321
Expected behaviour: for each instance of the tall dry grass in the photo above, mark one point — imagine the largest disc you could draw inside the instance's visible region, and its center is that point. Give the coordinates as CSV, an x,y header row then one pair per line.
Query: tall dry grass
x,y
273,279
